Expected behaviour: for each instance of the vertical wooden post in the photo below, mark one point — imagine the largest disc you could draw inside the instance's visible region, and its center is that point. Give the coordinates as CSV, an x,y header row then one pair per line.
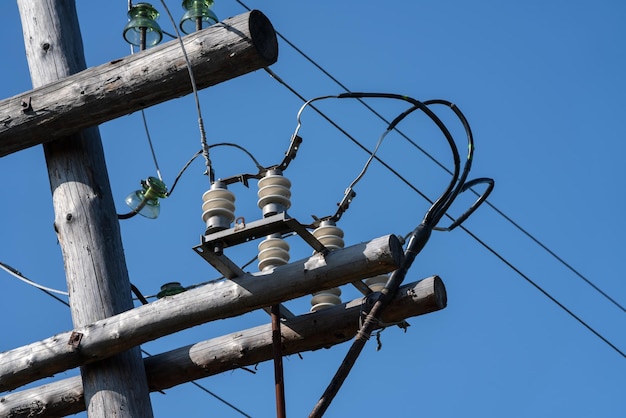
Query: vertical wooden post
x,y
85,218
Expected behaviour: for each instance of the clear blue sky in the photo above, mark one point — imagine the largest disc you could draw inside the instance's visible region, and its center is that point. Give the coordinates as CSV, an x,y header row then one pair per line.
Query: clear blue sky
x,y
542,84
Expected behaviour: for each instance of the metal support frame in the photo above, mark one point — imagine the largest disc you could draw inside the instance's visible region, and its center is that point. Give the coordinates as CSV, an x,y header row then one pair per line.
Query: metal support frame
x,y
212,245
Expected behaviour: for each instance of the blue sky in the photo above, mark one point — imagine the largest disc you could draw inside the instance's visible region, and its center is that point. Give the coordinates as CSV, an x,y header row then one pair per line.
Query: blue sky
x,y
542,84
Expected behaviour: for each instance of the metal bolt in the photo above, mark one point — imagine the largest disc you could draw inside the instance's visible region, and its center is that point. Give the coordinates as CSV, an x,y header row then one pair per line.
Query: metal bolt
x,y
26,105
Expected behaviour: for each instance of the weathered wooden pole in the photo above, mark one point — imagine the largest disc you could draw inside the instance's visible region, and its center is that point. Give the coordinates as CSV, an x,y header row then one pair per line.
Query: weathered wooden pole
x,y
217,300
57,108
311,331
85,218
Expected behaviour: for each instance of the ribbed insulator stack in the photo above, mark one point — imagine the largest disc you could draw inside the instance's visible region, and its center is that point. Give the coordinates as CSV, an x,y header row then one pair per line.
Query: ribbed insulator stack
x,y
273,252
218,207
325,299
274,193
377,283
331,237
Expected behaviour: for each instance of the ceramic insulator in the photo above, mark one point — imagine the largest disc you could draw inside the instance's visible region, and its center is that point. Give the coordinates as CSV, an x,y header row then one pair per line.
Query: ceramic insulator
x,y
273,252
274,194
325,299
331,236
377,283
218,207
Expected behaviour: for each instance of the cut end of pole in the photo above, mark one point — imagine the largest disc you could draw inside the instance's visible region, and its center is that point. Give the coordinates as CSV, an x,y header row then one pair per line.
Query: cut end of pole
x,y
263,36
440,292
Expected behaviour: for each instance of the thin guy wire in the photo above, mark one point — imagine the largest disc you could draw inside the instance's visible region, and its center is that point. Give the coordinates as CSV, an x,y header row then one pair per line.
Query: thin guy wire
x,y
13,272
156,164
437,162
509,264
220,399
194,88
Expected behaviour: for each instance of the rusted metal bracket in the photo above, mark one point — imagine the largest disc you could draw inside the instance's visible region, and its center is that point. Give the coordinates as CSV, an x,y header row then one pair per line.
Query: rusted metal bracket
x,y
75,339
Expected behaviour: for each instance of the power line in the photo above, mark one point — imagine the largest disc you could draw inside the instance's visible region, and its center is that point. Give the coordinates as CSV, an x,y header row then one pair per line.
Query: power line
x,y
490,249
13,272
199,386
437,162
206,390
154,158
539,288
192,79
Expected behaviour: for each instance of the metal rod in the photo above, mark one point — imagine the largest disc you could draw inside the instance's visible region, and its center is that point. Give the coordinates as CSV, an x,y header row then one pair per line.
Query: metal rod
x,y
142,39
278,362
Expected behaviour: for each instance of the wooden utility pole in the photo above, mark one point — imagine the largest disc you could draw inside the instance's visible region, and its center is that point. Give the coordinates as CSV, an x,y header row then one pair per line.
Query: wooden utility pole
x,y
57,108
85,218
62,113
311,331
220,300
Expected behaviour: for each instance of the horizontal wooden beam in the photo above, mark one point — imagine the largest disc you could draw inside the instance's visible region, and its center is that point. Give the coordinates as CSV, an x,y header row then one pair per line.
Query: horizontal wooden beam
x,y
217,300
307,332
234,47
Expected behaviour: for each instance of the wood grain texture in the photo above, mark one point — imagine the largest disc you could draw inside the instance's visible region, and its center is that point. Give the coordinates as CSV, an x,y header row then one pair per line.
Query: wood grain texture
x,y
85,218
65,105
307,332
213,301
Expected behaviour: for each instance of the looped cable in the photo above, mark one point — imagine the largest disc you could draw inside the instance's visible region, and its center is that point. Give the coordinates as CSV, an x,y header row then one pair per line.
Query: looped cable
x,y
481,198
433,216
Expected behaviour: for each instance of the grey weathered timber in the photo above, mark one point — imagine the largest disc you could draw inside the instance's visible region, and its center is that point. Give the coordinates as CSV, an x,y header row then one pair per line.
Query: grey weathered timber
x,y
217,300
85,219
307,332
58,108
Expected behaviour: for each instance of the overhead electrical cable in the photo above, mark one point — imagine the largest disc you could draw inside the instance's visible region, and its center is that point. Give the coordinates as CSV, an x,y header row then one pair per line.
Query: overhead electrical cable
x,y
410,185
543,291
437,162
416,242
194,88
281,81
204,389
439,207
15,273
154,158
347,135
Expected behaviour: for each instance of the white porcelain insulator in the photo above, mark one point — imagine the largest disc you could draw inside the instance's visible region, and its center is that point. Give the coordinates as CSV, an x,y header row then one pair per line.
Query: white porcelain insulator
x,y
273,252
325,299
377,283
331,236
274,194
218,208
